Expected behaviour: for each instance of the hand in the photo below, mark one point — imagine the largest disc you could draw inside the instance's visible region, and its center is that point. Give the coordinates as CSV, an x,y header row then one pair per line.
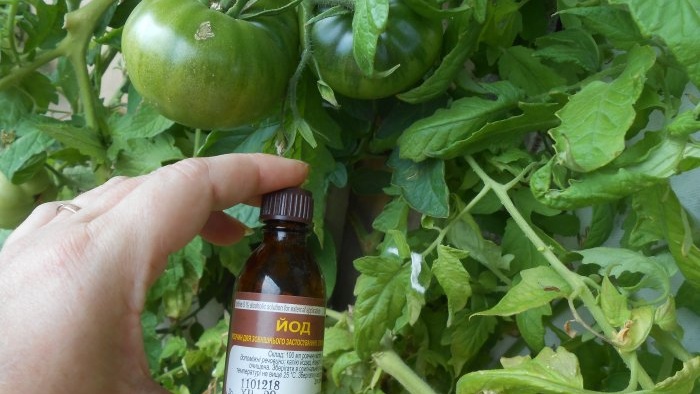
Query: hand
x,y
73,285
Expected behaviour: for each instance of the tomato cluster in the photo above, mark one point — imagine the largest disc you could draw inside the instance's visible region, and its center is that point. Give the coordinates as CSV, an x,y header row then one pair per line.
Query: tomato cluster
x,y
205,69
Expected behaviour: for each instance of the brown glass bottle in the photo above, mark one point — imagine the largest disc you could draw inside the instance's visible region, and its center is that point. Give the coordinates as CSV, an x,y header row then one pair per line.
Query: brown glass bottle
x,y
275,341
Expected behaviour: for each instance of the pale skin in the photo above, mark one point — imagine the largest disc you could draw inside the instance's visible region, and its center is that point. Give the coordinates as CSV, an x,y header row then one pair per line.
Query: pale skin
x,y
72,285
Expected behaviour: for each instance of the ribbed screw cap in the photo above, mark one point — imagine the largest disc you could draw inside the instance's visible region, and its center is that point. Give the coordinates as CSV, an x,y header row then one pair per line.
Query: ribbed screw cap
x,y
294,204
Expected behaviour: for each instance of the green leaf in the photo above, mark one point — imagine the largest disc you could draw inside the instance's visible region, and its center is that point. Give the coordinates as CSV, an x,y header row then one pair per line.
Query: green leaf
x,y
538,287
613,304
142,156
434,136
82,139
152,344
612,22
175,347
602,225
519,65
665,316
381,297
595,120
683,381
240,140
368,22
617,261
465,234
549,373
23,151
145,122
336,339
394,216
609,183
660,206
422,184
466,337
213,340
321,165
653,18
326,258
570,46
531,327
525,254
345,361
439,81
453,278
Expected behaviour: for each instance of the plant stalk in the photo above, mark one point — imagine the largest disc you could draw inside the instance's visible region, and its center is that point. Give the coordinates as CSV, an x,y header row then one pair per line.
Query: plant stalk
x,y
392,364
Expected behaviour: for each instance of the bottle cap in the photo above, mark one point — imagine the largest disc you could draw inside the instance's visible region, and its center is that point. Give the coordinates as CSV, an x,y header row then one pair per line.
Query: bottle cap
x,y
292,204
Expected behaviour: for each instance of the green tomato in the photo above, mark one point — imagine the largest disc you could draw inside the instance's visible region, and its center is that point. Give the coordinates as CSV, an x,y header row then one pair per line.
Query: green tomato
x,y
18,201
207,70
410,41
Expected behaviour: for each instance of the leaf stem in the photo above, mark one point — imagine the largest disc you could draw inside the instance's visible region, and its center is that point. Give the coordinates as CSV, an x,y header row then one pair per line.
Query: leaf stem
x,y
443,232
394,365
670,344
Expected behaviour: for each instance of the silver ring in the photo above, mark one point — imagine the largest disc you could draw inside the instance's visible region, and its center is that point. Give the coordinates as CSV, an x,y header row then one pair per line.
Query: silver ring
x,y
67,207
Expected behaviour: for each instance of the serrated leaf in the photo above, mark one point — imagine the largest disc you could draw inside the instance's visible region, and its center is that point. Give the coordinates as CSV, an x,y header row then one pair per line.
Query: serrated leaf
x,y
680,36
465,234
381,296
531,327
683,381
422,184
438,82
570,46
393,217
145,122
214,339
549,373
343,362
601,226
433,136
519,65
453,278
142,156
175,346
538,286
336,339
152,345
466,338
660,206
613,304
368,22
609,183
612,22
23,150
595,120
617,261
84,140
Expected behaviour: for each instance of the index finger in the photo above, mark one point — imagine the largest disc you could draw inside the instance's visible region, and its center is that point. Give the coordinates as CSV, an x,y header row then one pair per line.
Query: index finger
x,y
170,207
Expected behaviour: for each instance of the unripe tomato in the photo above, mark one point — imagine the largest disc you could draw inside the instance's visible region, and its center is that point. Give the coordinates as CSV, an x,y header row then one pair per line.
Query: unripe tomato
x,y
204,69
18,201
410,40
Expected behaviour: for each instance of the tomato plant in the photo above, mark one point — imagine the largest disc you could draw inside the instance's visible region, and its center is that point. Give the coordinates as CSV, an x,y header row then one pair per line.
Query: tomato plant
x,y
410,42
205,69
518,216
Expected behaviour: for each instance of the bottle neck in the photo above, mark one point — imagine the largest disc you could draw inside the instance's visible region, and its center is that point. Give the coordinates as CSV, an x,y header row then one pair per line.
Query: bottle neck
x,y
285,231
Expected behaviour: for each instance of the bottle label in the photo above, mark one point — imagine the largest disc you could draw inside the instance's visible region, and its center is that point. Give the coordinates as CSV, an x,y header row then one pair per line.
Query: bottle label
x,y
276,345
